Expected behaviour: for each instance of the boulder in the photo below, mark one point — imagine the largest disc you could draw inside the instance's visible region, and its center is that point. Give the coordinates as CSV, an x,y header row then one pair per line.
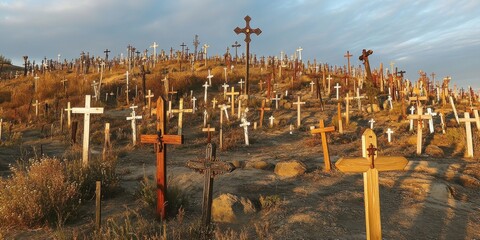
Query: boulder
x,y
368,108
434,151
291,168
258,165
229,208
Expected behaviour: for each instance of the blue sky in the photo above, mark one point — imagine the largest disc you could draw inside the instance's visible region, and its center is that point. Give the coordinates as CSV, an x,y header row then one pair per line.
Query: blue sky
x,y
434,36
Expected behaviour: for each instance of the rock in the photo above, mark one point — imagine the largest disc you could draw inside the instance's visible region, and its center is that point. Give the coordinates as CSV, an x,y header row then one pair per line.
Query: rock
x,y
434,151
238,163
258,165
291,168
369,109
287,105
228,208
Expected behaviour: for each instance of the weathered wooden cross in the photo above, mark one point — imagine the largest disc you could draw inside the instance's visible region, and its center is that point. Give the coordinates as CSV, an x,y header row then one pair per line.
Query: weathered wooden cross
x,y
210,166
298,103
419,117
180,112
247,30
36,105
206,86
468,130
86,111
262,110
232,95
149,96
245,125
370,166
322,130
160,141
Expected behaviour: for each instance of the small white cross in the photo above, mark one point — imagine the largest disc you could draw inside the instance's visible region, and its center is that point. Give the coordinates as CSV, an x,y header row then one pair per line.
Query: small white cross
x,y
337,88
389,135
371,123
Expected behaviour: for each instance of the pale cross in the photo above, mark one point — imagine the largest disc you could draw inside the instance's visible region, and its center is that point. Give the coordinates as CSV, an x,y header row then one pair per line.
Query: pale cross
x,y
371,123
225,72
241,82
133,117
86,111
232,95
69,111
225,86
205,117
430,121
419,117
299,50
276,99
149,96
210,76
311,86
329,78
36,105
389,135
390,102
370,165
298,103
206,86
180,112
224,108
468,130
454,109
214,102
245,125
337,88
412,111
271,118
36,82
194,108
154,46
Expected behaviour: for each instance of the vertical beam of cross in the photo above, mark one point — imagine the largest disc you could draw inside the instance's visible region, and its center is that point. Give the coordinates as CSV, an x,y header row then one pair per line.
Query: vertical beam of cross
x,y
247,30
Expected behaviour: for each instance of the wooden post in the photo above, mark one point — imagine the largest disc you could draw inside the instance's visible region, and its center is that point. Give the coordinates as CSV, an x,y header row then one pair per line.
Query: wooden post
x,y
160,140
322,130
98,205
454,109
210,167
339,116
370,167
232,95
107,145
86,111
468,131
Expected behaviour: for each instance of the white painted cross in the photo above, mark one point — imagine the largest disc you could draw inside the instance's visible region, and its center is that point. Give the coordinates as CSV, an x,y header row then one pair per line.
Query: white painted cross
x,y
419,117
245,125
359,99
329,78
224,108
69,111
371,123
389,135
337,88
276,99
299,50
430,121
86,111
298,103
225,71
241,82
194,108
468,131
389,99
454,109
149,96
154,46
412,111
180,112
214,103
210,76
311,86
133,117
206,86
271,118
225,86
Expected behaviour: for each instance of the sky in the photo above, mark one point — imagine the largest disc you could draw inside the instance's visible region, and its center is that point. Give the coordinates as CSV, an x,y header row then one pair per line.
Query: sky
x,y
441,37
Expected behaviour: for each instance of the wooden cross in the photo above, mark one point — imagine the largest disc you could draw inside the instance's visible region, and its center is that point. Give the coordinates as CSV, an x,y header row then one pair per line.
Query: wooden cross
x,y
36,105
209,131
149,96
276,99
225,87
454,109
210,166
430,121
348,55
194,108
322,130
412,111
247,30
347,109
232,95
180,112
419,117
418,99
160,141
468,130
241,82
339,117
262,110
298,103
210,76
69,111
214,103
133,117
371,121
271,118
245,125
370,166
86,111
311,86
329,78
223,108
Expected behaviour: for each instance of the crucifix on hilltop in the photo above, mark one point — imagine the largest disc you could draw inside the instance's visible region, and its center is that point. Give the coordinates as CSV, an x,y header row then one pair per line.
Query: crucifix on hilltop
x,y
364,58
236,45
247,30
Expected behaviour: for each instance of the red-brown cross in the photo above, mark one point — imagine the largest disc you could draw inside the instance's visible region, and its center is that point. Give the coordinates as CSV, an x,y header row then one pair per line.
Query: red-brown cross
x,y
160,140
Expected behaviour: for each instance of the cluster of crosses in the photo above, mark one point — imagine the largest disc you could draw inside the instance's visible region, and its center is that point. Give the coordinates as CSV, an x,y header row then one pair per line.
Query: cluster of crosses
x,y
399,90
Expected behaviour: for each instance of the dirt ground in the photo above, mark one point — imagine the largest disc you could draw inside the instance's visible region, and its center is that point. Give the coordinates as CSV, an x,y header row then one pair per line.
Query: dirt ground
x,y
433,198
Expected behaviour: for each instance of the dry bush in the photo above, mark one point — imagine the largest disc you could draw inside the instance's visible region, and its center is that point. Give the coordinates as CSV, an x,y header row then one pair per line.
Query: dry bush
x,y
39,194
233,136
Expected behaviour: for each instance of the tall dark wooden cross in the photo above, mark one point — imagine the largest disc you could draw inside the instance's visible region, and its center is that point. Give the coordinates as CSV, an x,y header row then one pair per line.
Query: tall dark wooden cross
x,y
247,30
106,54
348,55
195,44
236,45
160,141
364,58
210,166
